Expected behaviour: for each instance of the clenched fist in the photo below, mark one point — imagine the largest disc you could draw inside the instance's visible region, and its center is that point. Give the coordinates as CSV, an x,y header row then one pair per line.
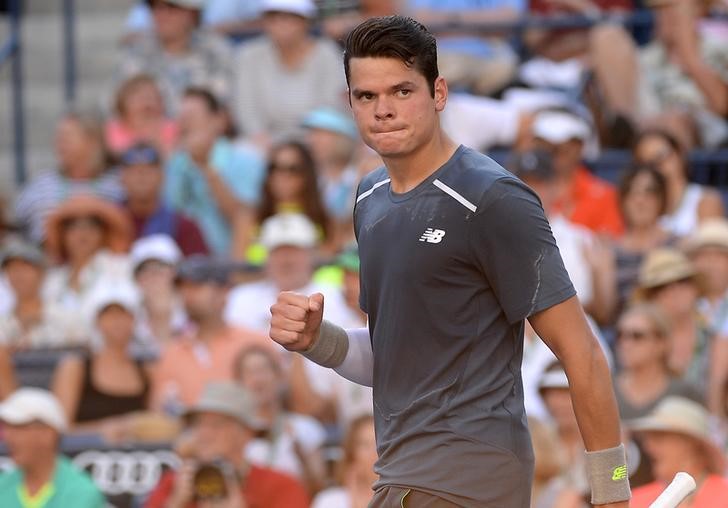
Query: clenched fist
x,y
296,320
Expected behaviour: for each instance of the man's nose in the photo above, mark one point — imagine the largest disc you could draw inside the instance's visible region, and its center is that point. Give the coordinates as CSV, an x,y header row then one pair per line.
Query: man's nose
x,y
384,109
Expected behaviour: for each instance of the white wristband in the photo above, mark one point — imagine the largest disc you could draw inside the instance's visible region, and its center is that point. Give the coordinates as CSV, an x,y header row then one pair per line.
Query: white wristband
x,y
608,477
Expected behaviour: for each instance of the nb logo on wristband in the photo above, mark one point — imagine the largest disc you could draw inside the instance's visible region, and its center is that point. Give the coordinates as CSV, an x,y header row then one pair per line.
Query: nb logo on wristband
x,y
619,473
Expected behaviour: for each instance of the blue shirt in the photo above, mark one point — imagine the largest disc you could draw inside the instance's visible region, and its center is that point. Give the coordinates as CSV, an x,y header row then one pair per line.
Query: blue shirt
x,y
475,46
186,188
70,487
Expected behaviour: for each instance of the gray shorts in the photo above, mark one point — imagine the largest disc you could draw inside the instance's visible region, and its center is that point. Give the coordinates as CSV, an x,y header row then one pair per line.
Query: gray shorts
x,y
399,497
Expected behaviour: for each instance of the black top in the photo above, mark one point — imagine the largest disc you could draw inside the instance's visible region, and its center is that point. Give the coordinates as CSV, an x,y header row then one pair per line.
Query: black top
x,y
449,272
95,404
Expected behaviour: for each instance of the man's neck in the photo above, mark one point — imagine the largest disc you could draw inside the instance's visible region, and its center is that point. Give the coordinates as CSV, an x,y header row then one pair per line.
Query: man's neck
x,y
142,207
409,171
39,474
210,329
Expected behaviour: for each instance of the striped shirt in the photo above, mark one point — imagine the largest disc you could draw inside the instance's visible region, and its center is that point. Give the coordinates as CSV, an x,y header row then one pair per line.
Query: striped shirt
x,y
49,189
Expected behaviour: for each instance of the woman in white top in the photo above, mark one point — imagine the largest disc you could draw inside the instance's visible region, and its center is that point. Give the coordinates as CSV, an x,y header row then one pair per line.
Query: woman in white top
x,y
687,203
356,472
288,442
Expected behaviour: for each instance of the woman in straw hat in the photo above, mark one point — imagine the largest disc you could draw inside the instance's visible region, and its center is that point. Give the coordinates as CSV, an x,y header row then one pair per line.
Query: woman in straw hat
x,y
677,437
669,280
88,237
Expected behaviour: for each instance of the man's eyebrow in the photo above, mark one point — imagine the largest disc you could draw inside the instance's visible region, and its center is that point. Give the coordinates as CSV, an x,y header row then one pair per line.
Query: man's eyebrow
x,y
402,85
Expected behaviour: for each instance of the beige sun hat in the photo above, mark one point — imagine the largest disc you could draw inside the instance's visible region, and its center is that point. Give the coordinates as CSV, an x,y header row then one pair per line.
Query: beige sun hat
x,y
663,266
683,416
711,233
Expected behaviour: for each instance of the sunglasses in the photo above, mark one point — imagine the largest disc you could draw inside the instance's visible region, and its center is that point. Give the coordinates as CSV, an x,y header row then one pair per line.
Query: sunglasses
x,y
286,168
635,335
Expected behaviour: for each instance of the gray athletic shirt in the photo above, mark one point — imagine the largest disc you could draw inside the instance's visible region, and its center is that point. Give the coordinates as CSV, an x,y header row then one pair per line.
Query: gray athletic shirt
x,y
449,272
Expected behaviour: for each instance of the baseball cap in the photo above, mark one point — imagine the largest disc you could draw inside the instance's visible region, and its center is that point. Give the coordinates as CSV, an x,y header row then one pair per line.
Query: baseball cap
x,y
140,154
330,119
229,399
201,269
25,251
304,8
158,247
27,405
559,127
293,229
536,164
122,294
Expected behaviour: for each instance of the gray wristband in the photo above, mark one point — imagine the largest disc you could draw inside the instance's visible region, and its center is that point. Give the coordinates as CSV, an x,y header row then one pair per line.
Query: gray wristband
x,y
608,477
331,346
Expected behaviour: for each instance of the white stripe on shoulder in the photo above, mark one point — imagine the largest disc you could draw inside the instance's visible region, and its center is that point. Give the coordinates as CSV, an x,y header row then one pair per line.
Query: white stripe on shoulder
x,y
374,187
455,195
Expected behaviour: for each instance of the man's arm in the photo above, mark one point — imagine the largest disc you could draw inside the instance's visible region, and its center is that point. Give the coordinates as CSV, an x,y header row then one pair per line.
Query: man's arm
x,y
565,330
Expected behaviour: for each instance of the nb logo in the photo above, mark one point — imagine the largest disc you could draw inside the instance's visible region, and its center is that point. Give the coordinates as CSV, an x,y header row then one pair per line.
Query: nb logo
x,y
432,235
619,473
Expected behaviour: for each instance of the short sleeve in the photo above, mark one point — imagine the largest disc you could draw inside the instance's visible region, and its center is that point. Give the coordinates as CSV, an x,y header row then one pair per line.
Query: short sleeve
x,y
511,241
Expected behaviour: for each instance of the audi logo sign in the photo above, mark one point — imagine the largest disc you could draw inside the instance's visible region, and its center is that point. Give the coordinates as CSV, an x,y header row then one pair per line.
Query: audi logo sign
x,y
120,473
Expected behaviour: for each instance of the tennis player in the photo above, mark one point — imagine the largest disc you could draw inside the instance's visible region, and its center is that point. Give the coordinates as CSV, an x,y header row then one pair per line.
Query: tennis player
x,y
455,254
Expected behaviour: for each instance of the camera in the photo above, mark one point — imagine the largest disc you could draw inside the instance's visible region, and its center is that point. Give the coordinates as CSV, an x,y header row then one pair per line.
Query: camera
x,y
209,481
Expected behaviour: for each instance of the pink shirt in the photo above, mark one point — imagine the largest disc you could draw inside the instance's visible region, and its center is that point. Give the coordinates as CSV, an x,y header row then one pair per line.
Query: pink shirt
x,y
187,365
119,137
713,493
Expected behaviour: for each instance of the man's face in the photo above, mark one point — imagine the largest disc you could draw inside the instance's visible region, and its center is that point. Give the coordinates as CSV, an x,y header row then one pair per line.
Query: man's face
x,y
27,443
217,436
290,267
392,105
201,299
172,21
142,181
199,126
25,278
566,156
285,29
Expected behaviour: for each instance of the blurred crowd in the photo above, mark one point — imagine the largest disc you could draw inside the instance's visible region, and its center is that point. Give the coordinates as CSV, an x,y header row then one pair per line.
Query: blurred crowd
x,y
221,168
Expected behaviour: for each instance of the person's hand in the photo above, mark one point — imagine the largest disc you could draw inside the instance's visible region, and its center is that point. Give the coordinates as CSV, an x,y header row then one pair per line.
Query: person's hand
x,y
184,485
296,320
234,497
599,254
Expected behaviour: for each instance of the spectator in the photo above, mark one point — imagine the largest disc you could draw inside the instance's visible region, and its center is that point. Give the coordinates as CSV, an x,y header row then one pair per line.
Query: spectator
x,y
584,198
208,179
285,73
707,248
82,168
669,280
142,177
482,65
290,239
100,392
677,438
8,384
292,442
643,350
687,203
334,141
206,352
291,185
139,117
642,201
161,316
336,26
34,322
179,54
356,470
33,424
221,425
89,237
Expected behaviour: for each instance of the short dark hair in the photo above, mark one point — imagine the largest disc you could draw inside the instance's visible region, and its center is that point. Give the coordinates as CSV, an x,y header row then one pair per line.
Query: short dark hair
x,y
398,37
629,176
211,101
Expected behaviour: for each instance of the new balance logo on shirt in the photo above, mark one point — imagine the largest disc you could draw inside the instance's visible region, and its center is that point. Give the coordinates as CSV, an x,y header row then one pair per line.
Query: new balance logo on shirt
x,y
432,235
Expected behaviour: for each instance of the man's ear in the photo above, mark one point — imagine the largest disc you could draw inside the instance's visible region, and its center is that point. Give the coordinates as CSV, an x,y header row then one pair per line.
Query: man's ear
x,y
440,93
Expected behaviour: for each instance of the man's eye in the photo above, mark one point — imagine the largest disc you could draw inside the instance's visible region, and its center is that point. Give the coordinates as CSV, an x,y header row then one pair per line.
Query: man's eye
x,y
366,96
404,92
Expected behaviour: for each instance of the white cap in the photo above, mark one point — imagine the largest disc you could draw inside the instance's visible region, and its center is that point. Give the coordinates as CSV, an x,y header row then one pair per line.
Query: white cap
x,y
27,405
559,127
305,8
114,293
293,229
158,247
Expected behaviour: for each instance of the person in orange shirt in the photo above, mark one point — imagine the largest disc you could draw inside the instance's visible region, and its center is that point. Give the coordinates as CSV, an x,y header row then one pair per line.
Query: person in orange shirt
x,y
676,436
206,351
583,197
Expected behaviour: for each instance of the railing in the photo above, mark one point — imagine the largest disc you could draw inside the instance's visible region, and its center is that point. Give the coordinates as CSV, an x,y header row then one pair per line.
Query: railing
x,y
11,50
